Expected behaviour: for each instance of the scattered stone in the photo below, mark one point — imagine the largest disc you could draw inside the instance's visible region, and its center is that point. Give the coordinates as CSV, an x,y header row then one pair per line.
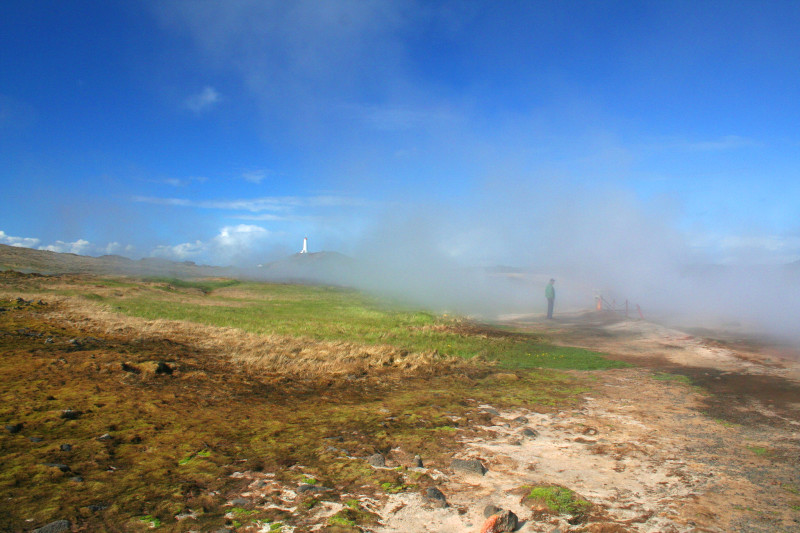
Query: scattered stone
x,y
521,420
62,467
240,502
70,414
500,523
490,410
163,368
590,431
507,521
490,509
187,513
528,432
35,439
54,527
471,466
97,507
14,428
377,460
418,461
76,479
104,437
436,497
307,487
66,447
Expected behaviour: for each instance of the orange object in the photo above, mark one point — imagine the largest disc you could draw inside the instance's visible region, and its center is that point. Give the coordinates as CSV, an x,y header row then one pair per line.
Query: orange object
x,y
490,526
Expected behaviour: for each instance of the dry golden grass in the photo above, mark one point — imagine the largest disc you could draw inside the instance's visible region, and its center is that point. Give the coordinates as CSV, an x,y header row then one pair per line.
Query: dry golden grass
x,y
275,354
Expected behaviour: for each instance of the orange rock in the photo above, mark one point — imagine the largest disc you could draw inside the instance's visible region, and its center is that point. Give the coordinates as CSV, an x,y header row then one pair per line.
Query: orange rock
x,y
490,526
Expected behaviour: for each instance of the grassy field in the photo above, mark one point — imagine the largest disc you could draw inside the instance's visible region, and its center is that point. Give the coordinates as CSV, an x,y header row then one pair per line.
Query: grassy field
x,y
128,402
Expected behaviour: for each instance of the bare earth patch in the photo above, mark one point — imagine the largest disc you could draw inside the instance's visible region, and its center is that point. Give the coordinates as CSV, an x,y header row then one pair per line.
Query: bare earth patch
x,y
704,438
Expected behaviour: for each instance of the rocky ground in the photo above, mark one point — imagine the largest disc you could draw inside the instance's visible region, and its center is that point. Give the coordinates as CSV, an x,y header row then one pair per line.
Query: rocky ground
x,y
703,435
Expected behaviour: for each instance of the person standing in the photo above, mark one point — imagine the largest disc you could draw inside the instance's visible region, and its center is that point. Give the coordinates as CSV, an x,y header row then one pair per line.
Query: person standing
x,y
550,294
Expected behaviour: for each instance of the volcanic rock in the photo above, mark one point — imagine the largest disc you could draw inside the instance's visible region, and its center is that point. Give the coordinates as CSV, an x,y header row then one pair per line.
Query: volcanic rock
x,y
470,466
436,497
54,527
377,460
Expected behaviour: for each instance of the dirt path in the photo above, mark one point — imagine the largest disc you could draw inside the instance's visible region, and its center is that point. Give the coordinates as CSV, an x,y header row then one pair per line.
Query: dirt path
x,y
701,436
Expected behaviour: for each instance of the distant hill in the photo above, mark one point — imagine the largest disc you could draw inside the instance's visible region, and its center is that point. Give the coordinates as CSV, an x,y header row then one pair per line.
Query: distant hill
x,y
46,262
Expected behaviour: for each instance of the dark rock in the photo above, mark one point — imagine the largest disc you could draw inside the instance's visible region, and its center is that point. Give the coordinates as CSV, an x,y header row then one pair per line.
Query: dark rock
x,y
66,447
471,466
376,460
62,467
520,420
76,479
14,428
35,439
436,497
54,527
490,509
69,414
500,522
507,521
97,507
306,487
528,432
418,461
163,368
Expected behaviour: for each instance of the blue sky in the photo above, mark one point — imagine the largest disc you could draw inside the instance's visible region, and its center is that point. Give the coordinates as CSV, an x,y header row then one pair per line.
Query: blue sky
x,y
488,132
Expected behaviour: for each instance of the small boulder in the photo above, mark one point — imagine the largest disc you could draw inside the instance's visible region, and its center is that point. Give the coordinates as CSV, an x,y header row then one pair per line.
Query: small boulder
x,y
66,447
70,414
471,466
435,496
490,509
417,461
14,428
501,522
54,527
530,433
62,467
377,460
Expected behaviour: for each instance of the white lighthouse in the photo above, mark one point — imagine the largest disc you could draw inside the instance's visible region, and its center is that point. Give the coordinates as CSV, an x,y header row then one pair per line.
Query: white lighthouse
x,y
305,246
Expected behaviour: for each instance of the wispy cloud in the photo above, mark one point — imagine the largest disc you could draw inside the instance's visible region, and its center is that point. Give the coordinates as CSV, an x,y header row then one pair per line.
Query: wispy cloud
x,y
255,176
203,101
256,205
727,142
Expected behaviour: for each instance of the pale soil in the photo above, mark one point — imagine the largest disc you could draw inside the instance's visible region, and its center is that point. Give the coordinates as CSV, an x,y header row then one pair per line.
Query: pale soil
x,y
650,451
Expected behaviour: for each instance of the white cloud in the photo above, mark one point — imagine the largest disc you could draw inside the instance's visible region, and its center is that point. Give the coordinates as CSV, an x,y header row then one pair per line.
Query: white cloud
x,y
204,100
180,252
234,245
22,242
79,247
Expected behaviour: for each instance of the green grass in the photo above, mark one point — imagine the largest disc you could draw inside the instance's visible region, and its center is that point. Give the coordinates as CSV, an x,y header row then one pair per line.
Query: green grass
x,y
335,314
559,500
